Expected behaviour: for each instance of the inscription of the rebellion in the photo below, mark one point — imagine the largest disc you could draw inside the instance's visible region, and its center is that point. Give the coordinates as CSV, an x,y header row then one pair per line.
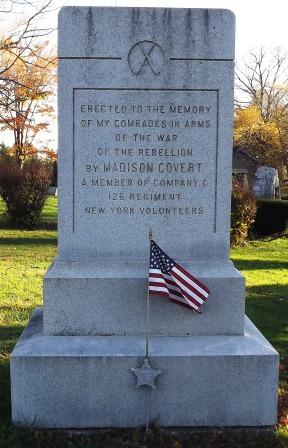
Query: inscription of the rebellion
x,y
146,152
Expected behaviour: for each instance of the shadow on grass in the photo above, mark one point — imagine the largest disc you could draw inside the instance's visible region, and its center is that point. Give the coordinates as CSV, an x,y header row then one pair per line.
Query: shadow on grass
x,y
5,408
45,225
267,307
136,438
270,291
252,265
8,332
28,241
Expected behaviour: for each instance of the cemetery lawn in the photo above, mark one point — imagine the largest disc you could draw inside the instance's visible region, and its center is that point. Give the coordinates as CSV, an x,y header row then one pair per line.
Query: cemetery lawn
x,y
24,257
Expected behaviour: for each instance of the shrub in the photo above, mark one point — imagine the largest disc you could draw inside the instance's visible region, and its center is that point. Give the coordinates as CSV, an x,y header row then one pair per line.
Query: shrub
x,y
271,217
24,189
243,211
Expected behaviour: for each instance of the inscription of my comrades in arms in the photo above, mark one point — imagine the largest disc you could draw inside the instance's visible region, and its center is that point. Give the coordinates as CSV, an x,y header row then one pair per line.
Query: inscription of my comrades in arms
x,y
149,153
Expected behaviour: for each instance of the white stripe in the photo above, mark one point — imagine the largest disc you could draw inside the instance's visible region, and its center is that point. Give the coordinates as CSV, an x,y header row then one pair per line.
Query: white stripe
x,y
166,288
157,271
158,288
181,299
190,293
161,280
188,280
157,280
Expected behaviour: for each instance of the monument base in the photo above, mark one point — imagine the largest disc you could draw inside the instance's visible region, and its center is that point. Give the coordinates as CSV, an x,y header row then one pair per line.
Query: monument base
x,y
86,381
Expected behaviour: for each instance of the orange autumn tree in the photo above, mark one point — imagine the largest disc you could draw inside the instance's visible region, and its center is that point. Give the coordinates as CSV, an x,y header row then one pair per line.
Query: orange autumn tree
x,y
266,140
25,97
260,137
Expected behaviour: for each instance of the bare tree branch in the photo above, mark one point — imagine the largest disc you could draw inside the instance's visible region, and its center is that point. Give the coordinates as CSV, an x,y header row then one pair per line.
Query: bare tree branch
x,y
20,41
260,79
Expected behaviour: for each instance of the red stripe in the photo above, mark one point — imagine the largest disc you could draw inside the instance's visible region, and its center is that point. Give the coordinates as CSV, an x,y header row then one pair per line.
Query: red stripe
x,y
192,278
162,285
158,284
159,293
160,275
166,294
155,276
181,293
190,298
171,282
195,291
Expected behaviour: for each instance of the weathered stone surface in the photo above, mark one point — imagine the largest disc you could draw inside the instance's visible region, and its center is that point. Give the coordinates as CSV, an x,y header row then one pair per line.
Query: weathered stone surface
x,y
190,33
91,299
183,190
86,382
145,118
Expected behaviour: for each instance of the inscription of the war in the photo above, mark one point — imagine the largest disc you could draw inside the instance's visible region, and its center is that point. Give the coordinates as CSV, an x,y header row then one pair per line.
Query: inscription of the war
x,y
145,154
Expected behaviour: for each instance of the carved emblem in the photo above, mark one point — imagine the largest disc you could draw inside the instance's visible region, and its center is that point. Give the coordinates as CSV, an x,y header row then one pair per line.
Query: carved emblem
x,y
146,54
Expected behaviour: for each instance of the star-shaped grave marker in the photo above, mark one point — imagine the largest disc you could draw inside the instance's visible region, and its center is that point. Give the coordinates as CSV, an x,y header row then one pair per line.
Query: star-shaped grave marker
x,y
146,375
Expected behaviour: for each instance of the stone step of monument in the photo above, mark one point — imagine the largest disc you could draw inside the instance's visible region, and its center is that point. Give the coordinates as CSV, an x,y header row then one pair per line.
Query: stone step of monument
x,y
111,299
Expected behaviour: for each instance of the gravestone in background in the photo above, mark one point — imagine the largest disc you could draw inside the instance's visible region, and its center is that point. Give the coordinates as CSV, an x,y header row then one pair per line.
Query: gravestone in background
x,y
266,183
145,120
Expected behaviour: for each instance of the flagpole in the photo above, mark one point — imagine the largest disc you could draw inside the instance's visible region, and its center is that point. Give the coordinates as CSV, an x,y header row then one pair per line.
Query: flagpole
x,y
148,299
147,330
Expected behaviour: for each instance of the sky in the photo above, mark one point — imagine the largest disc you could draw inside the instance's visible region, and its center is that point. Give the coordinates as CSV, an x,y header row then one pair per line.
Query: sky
x,y
258,22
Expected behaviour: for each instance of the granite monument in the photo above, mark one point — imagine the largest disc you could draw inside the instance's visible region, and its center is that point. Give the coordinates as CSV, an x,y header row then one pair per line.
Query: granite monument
x,y
145,130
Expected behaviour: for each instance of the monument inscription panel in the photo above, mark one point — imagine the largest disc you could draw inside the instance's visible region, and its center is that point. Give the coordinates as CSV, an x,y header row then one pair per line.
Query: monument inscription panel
x,y
145,153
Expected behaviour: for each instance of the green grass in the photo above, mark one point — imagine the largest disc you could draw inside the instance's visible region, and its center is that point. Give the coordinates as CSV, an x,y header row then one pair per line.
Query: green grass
x,y
24,257
265,267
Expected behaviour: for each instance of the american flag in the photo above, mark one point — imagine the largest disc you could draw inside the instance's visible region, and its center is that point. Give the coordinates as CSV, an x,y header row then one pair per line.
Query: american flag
x,y
168,278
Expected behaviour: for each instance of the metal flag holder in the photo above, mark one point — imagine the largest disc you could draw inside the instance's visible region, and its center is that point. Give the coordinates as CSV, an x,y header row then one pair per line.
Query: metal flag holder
x,y
146,374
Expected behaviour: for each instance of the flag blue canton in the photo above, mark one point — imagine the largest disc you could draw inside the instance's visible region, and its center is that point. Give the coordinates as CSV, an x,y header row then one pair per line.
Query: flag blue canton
x,y
160,260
